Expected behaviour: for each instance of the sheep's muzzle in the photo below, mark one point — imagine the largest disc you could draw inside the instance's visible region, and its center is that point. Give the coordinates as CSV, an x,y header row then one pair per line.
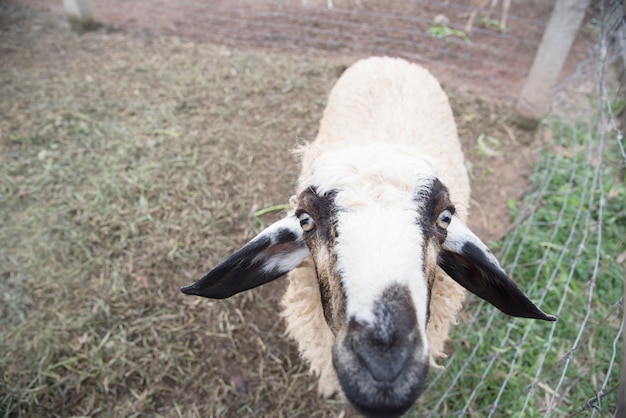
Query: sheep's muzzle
x,y
382,364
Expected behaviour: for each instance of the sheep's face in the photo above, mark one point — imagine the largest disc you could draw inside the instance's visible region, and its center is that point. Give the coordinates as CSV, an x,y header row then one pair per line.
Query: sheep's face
x,y
376,249
375,264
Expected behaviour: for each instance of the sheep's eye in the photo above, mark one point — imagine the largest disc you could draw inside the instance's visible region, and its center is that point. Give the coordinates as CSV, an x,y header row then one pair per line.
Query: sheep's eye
x,y
306,222
444,219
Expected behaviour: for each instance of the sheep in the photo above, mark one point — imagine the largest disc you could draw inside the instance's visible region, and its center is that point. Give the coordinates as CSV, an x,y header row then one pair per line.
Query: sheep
x,y
375,246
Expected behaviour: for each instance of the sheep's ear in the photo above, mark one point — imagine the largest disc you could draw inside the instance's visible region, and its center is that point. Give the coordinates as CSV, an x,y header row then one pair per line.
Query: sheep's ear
x,y
469,262
274,252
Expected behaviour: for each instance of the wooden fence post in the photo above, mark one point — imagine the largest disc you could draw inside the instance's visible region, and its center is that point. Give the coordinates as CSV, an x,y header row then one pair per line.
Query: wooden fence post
x,y
79,15
555,45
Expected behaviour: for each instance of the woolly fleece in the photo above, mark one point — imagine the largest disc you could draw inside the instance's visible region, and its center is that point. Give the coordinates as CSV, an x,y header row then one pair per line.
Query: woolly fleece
x,y
388,101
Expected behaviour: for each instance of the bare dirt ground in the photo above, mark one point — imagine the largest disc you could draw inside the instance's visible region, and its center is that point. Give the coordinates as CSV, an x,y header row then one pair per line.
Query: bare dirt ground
x,y
132,159
489,63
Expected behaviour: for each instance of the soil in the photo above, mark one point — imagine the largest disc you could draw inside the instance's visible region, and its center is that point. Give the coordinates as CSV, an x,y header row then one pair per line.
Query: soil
x,y
490,62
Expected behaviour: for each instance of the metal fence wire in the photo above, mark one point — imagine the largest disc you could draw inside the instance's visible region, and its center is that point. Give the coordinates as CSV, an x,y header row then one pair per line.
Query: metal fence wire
x,y
573,223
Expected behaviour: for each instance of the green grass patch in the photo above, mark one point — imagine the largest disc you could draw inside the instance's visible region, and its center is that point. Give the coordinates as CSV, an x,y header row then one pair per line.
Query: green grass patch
x,y
446,33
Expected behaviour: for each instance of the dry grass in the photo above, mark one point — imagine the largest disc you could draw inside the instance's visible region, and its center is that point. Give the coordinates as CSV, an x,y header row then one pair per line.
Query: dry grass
x,y
130,163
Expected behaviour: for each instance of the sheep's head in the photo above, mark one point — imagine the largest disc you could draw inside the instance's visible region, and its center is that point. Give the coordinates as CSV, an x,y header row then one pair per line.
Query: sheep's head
x,y
377,245
369,260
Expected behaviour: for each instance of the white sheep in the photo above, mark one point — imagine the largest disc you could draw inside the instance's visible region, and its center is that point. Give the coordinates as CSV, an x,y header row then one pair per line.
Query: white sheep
x,y
376,242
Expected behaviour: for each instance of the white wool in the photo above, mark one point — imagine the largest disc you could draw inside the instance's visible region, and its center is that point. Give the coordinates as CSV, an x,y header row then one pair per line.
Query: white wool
x,y
370,241
387,125
362,166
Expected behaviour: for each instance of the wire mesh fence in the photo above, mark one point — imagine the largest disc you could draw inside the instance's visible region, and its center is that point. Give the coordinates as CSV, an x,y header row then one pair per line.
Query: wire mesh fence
x,y
568,246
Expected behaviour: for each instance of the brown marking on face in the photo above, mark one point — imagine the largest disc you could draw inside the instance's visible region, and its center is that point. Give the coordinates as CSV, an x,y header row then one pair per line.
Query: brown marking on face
x,y
321,242
432,200
331,289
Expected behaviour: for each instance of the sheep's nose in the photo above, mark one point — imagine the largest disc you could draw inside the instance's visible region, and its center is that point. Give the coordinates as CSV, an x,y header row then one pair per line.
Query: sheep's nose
x,y
384,362
385,345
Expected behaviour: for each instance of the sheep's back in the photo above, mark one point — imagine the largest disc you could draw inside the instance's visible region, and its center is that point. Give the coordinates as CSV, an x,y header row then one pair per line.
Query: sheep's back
x,y
390,100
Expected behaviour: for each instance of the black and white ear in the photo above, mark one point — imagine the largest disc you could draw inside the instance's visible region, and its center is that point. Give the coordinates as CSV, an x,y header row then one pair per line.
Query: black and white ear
x,y
274,252
469,262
